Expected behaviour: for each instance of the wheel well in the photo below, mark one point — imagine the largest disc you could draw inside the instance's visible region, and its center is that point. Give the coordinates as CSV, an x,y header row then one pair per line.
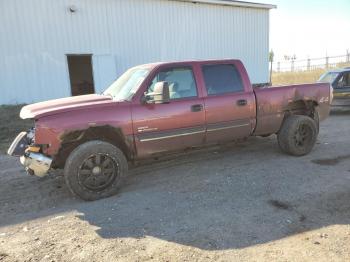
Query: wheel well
x,y
301,107
72,139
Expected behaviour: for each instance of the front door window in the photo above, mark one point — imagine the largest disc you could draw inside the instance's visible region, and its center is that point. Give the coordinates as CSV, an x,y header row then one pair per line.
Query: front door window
x,y
181,82
344,81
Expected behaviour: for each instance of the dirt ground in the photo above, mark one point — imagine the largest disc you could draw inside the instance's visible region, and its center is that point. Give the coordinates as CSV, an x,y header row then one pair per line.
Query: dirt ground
x,y
245,202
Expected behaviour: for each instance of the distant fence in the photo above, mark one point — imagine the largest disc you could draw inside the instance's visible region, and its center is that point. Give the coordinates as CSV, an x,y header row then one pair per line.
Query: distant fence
x,y
312,63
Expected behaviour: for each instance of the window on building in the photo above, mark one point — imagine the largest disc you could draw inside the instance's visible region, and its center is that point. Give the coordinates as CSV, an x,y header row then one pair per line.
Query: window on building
x,y
222,79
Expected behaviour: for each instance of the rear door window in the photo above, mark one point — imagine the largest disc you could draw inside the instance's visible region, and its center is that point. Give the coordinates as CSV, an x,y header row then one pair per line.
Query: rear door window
x,y
222,79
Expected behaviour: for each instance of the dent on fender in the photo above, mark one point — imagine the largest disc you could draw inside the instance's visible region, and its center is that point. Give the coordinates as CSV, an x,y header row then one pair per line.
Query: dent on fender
x,y
110,133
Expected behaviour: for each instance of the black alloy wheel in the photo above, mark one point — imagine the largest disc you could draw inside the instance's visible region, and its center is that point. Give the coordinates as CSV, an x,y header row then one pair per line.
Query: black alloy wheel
x,y
98,172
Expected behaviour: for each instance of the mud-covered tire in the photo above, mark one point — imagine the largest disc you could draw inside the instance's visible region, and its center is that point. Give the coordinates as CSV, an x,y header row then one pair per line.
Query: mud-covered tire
x,y
95,170
298,135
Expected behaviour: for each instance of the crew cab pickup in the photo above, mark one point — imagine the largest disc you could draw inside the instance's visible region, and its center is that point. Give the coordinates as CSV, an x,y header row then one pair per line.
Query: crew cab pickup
x,y
159,108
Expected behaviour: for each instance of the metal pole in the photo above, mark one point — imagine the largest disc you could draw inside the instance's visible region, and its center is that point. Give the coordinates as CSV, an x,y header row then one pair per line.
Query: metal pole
x,y
271,73
271,56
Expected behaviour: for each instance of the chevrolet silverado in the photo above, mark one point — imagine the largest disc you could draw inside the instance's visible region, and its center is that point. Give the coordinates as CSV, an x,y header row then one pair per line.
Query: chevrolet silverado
x,y
160,108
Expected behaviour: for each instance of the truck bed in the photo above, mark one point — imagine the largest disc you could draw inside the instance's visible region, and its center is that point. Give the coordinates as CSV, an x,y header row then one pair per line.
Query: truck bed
x,y
274,102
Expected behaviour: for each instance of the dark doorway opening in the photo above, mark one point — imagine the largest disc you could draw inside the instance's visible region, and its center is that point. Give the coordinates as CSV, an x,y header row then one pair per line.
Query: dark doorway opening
x,y
80,74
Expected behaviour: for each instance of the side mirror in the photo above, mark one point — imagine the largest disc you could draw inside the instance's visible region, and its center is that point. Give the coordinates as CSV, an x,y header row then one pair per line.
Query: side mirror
x,y
160,95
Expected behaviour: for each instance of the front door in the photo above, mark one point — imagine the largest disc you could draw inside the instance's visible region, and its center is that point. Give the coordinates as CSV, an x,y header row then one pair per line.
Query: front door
x,y
174,126
229,104
342,85
341,90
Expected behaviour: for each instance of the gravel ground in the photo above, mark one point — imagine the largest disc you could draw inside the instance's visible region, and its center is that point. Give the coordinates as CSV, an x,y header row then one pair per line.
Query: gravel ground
x,y
239,202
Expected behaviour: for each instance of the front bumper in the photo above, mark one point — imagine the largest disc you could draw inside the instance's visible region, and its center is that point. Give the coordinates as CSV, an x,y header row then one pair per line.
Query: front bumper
x,y
35,163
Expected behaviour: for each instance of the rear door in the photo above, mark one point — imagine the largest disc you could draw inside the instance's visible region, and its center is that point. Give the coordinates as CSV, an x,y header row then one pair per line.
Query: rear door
x,y
174,126
229,103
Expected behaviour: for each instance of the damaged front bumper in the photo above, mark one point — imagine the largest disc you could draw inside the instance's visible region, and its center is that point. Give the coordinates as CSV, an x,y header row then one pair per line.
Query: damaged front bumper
x,y
35,163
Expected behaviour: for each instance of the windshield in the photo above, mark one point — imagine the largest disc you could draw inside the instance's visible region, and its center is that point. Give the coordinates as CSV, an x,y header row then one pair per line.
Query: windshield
x,y
126,86
328,77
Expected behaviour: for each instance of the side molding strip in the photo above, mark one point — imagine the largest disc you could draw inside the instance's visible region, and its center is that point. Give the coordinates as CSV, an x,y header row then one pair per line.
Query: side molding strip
x,y
226,127
145,137
165,137
152,136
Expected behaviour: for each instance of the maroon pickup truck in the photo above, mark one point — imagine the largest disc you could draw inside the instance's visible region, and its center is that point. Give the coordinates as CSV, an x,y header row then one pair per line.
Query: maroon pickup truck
x,y
159,108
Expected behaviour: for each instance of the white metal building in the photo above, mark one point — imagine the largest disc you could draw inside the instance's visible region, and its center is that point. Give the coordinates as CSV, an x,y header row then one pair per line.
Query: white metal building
x,y
56,48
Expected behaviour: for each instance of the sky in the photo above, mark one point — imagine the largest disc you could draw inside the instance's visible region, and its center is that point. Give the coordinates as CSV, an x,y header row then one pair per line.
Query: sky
x,y
309,28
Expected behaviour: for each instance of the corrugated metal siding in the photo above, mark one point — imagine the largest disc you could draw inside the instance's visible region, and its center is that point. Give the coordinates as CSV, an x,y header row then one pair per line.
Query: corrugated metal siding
x,y
36,35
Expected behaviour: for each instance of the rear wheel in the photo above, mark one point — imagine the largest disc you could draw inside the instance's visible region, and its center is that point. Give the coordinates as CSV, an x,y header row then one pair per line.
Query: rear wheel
x,y
298,135
94,170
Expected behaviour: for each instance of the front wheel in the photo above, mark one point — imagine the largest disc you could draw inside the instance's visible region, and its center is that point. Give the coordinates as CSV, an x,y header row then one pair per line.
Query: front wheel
x,y
298,135
94,170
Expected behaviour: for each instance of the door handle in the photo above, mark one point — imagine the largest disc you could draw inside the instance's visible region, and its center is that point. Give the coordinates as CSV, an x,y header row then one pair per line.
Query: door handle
x,y
241,102
196,108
